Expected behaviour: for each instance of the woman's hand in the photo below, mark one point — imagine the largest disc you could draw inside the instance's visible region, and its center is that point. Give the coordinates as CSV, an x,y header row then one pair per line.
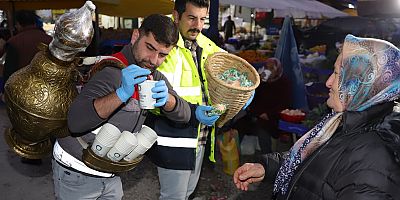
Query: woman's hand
x,y
248,173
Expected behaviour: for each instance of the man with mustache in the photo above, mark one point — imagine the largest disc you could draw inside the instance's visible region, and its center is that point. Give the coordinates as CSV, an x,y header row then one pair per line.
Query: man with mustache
x,y
179,150
106,98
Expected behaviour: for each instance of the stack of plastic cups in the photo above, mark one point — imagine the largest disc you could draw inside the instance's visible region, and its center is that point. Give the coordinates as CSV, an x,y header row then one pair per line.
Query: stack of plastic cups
x,y
146,137
105,139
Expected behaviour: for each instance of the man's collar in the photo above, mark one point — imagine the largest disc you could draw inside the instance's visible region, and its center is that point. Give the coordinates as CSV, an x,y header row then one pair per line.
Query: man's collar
x,y
191,45
181,42
127,50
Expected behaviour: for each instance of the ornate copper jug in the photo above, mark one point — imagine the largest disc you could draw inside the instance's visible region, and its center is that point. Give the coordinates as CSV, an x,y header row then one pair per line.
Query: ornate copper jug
x,y
38,96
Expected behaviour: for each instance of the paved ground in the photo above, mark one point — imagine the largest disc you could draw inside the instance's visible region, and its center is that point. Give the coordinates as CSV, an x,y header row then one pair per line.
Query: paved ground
x,y
20,181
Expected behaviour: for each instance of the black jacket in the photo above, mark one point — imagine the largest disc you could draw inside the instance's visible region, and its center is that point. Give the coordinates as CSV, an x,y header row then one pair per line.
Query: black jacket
x,y
178,158
359,162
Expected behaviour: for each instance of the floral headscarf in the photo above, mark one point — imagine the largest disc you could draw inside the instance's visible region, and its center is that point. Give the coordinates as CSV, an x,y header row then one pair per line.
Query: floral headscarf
x,y
369,75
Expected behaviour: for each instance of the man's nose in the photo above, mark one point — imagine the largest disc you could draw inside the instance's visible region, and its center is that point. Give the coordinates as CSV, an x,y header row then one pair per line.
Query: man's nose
x,y
198,24
153,59
329,82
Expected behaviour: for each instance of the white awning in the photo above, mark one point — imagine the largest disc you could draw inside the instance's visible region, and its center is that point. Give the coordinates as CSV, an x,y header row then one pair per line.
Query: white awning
x,y
294,8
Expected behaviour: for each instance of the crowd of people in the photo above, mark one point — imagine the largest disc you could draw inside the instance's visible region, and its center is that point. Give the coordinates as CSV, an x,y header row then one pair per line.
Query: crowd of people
x,y
352,153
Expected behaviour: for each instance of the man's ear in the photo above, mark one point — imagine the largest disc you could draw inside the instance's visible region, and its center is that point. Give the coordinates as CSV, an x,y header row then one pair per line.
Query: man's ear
x,y
175,15
135,36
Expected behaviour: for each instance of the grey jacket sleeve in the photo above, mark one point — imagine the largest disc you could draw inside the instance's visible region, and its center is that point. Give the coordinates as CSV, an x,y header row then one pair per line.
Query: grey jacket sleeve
x,y
182,111
82,116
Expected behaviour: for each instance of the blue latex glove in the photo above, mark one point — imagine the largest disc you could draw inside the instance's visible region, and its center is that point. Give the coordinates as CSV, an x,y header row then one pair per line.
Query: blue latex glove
x,y
201,115
131,76
249,101
160,91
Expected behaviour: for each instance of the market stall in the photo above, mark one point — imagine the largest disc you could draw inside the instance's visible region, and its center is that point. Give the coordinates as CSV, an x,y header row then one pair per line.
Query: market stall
x,y
279,40
293,8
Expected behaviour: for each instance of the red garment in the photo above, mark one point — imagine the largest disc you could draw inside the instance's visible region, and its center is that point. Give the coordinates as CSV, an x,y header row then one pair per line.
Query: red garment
x,y
21,48
26,43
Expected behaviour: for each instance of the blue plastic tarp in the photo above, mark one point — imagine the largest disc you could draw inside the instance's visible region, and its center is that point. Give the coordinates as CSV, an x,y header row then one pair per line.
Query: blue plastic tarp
x,y
287,53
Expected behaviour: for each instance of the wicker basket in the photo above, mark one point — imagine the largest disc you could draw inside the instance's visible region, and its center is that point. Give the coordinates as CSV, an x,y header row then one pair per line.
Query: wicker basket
x,y
220,91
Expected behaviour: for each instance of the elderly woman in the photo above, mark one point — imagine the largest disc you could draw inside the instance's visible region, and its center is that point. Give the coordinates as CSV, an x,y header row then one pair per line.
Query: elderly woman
x,y
354,152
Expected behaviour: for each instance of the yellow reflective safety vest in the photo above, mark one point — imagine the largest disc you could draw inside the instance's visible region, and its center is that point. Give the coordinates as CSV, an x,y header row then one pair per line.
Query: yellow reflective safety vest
x,y
181,71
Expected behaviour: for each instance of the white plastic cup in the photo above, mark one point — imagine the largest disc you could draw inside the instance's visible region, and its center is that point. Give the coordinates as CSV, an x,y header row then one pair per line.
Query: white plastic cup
x,y
136,152
125,144
146,101
148,134
105,139
146,138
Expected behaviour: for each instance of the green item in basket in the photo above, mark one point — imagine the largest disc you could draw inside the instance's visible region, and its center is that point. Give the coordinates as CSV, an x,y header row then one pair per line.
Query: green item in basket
x,y
234,77
217,109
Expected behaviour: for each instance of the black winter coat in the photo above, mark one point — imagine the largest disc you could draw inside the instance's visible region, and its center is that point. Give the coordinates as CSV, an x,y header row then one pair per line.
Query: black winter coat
x,y
359,162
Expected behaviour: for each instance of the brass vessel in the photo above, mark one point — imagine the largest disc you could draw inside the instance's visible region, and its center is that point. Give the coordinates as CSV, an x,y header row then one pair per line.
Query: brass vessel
x,y
38,96
105,165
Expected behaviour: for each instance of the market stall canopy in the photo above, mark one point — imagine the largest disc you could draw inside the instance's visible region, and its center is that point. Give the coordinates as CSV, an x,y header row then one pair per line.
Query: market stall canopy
x,y
293,8
39,4
120,8
268,4
135,8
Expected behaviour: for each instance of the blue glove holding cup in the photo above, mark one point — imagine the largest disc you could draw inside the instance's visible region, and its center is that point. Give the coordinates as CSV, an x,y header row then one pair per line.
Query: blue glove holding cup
x,y
131,76
160,93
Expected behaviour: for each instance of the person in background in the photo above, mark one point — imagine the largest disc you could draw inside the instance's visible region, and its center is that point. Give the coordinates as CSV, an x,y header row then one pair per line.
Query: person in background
x,y
179,150
272,96
354,152
106,98
229,28
21,48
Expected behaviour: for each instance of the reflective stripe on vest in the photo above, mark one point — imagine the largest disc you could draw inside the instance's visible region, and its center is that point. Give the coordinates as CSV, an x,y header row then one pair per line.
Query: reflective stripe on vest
x,y
177,142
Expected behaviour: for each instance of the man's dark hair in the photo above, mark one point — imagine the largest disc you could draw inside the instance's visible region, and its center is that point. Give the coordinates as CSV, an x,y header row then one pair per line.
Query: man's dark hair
x,y
180,5
25,17
162,27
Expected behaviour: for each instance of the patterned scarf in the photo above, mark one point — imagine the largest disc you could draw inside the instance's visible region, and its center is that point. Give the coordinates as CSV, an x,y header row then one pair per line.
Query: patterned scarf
x,y
369,75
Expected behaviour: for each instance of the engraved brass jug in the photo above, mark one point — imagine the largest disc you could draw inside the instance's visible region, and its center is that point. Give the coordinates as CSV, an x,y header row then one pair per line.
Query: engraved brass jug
x,y
38,96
